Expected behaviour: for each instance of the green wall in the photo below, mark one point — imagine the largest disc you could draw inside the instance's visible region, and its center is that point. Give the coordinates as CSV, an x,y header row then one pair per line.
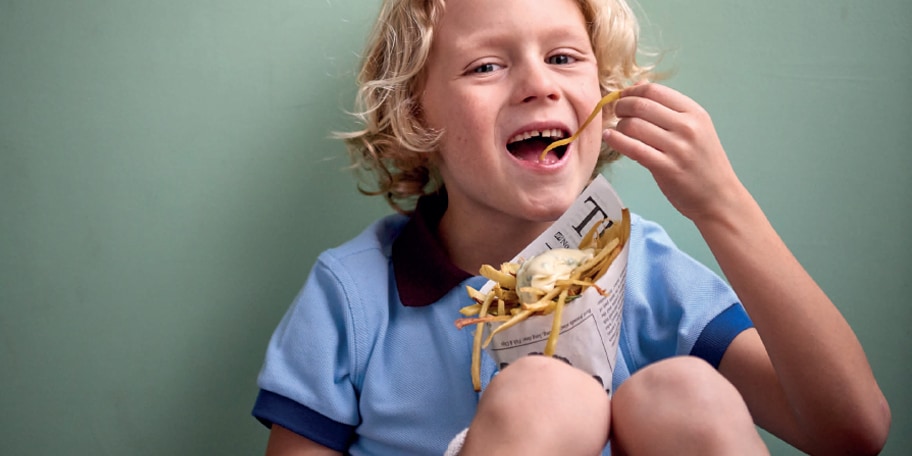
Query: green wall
x,y
166,181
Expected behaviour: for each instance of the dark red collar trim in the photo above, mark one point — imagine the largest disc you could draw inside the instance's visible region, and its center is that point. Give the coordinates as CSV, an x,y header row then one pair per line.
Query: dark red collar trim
x,y
423,270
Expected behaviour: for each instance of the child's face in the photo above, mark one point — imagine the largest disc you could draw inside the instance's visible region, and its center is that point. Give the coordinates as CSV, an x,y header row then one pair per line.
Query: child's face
x,y
502,68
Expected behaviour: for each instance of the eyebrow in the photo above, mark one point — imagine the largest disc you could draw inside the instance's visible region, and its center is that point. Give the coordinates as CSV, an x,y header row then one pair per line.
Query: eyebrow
x,y
493,38
486,40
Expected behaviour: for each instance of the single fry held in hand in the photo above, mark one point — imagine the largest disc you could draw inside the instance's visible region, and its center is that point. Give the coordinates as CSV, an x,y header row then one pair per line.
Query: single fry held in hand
x,y
541,285
598,108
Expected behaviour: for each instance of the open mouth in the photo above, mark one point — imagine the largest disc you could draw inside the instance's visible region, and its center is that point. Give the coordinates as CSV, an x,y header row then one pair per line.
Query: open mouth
x,y
528,146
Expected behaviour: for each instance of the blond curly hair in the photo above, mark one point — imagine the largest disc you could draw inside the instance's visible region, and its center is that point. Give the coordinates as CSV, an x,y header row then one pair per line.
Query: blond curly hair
x,y
391,154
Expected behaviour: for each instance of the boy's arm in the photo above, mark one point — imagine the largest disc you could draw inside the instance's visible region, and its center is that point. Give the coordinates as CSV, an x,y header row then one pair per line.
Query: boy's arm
x,y
283,442
825,389
802,372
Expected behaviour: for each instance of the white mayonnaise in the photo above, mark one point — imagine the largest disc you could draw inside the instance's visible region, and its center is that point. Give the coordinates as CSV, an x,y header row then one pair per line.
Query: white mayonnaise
x,y
544,269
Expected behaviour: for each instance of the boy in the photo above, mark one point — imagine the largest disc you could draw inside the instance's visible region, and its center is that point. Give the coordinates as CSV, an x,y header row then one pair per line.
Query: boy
x,y
459,98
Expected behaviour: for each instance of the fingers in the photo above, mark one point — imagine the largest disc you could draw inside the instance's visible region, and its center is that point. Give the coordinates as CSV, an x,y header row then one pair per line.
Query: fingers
x,y
660,118
636,150
654,104
663,95
643,129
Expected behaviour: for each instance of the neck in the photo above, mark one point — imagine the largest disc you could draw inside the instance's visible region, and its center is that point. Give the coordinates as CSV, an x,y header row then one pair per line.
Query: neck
x,y
472,240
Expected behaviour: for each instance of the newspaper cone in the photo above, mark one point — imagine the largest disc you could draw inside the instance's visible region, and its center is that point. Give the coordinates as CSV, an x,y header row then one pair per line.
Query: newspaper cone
x,y
589,325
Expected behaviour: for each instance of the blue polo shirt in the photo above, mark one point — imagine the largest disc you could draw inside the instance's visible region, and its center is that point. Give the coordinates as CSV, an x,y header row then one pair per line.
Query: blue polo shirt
x,y
367,360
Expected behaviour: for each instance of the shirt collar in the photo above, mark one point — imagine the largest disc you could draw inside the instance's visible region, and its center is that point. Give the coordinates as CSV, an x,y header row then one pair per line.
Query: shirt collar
x,y
423,270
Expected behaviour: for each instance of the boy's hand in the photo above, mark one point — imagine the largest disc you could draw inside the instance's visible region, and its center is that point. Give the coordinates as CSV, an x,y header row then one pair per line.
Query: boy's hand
x,y
674,138
798,331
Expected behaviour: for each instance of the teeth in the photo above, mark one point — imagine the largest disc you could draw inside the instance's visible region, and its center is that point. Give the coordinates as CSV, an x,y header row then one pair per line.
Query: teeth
x,y
551,133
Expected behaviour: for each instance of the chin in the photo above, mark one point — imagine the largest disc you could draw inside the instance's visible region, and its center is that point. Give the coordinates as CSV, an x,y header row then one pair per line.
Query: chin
x,y
550,209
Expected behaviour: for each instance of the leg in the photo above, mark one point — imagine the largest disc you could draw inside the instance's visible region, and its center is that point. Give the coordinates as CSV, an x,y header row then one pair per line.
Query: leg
x,y
682,406
540,406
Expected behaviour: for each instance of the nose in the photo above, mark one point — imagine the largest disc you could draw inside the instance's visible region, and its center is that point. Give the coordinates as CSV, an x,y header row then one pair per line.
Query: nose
x,y
536,81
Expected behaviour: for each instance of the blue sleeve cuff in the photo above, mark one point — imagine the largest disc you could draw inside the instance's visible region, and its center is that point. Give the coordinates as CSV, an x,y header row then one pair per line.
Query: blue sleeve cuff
x,y
719,333
271,408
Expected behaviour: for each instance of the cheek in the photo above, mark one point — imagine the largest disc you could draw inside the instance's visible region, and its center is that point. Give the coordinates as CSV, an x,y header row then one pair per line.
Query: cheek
x,y
469,123
591,144
589,147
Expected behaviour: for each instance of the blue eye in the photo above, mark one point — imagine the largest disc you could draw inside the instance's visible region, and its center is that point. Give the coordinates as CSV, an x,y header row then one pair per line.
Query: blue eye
x,y
485,68
560,59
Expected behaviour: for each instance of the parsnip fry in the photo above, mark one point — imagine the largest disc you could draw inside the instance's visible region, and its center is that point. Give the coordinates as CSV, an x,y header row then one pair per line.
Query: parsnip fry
x,y
478,296
509,323
555,324
463,322
598,107
504,279
470,310
476,347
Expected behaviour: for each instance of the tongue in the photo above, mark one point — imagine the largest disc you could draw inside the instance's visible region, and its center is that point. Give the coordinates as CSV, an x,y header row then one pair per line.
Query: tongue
x,y
530,150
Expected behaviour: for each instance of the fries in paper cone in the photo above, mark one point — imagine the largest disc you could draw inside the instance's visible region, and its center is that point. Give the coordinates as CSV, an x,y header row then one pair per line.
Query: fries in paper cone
x,y
544,285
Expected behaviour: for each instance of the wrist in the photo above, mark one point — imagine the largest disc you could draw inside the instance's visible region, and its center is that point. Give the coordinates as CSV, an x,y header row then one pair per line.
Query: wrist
x,y
735,210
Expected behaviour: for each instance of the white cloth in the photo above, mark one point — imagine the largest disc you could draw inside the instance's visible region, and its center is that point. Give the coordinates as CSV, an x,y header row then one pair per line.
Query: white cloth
x,y
455,445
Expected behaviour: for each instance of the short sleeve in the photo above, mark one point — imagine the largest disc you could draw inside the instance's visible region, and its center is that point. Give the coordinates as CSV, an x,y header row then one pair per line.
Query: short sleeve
x,y
307,383
674,305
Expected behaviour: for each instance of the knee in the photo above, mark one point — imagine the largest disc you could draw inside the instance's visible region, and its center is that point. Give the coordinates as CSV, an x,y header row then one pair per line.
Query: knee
x,y
540,381
686,377
561,406
685,394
